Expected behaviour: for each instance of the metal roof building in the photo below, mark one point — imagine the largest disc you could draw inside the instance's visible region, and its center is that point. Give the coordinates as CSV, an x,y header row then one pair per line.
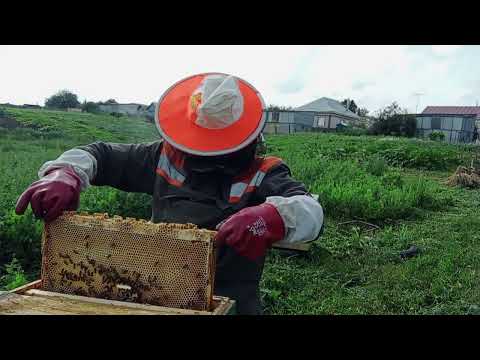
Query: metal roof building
x,y
453,110
328,106
321,114
456,122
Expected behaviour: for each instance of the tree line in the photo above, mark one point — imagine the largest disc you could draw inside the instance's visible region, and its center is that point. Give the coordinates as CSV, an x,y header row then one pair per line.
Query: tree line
x,y
390,120
65,99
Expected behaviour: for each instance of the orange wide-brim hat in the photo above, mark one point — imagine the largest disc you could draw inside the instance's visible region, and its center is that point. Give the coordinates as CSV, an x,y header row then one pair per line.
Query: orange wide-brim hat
x,y
177,118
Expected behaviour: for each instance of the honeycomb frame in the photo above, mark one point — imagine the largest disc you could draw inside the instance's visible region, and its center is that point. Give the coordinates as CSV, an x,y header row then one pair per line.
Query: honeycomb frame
x,y
115,258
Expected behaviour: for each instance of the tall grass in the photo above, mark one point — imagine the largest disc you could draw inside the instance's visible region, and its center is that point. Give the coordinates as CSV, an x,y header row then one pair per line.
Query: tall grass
x,y
398,152
352,189
355,177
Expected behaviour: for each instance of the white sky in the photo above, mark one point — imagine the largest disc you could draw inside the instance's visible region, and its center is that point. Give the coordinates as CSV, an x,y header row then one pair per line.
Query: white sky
x,y
373,76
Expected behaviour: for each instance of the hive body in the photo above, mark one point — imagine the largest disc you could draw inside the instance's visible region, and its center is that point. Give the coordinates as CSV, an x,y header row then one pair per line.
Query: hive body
x,y
169,265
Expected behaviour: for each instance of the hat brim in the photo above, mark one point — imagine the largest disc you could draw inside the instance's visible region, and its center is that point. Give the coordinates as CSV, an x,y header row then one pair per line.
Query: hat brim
x,y
177,128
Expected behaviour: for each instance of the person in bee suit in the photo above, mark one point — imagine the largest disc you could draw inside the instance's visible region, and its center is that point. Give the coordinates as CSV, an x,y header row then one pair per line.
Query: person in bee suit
x,y
204,171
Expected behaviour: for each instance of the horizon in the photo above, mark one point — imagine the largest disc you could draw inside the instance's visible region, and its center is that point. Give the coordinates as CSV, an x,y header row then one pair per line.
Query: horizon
x,y
414,76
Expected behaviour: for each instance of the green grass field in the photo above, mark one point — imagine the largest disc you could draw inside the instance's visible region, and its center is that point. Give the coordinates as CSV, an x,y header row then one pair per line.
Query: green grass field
x,y
393,190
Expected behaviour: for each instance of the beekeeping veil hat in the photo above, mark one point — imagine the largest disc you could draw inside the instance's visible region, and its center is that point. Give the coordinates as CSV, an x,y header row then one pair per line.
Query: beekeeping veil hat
x,y
210,114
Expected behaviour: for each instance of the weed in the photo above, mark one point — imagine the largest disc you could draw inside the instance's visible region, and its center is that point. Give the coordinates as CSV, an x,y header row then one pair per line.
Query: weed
x,y
14,276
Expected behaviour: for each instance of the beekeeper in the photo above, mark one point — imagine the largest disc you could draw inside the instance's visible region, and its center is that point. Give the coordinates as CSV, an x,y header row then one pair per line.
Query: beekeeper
x,y
205,171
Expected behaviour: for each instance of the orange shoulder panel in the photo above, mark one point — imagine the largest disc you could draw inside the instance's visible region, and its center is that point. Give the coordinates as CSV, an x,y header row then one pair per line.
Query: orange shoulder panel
x,y
269,162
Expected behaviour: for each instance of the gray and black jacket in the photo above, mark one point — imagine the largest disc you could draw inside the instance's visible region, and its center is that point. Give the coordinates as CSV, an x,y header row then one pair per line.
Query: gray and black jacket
x,y
183,193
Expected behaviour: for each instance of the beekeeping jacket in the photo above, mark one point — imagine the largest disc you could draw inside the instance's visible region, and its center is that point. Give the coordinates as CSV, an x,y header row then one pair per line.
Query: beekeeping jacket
x,y
203,191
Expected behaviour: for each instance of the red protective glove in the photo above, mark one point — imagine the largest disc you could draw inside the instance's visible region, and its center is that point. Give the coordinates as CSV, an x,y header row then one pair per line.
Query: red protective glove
x,y
57,191
252,230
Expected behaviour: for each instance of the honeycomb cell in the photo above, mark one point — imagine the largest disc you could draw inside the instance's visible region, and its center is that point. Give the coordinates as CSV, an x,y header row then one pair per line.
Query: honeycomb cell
x,y
171,265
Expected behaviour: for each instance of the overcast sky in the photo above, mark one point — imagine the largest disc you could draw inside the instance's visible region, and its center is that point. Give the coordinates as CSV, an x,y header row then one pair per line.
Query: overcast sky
x,y
373,76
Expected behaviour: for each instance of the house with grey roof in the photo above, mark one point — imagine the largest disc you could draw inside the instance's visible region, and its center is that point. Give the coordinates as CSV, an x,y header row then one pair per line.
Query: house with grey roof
x,y
131,109
456,122
323,114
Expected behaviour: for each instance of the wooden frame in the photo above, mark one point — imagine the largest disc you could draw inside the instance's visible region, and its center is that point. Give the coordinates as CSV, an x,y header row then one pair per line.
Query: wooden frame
x,y
221,305
303,247
178,259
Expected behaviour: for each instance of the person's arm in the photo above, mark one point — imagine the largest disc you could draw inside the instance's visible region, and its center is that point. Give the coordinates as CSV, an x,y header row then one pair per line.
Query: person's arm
x,y
286,214
128,167
302,215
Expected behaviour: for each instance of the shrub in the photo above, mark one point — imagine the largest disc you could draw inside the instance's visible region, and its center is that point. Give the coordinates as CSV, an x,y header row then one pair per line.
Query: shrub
x,y
393,178
14,276
393,120
21,237
396,125
437,136
354,131
90,107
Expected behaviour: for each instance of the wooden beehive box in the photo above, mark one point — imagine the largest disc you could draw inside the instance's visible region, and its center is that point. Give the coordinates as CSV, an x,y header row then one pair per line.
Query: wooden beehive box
x,y
32,300
128,261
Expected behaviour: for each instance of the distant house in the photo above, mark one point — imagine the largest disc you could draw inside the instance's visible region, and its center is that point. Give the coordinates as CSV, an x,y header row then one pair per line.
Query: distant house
x,y
131,109
327,113
324,114
456,122
30,106
74,110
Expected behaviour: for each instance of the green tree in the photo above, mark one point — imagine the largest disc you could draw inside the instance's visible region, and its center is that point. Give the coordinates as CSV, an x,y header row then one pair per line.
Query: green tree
x,y
362,112
62,100
351,105
390,110
394,120
90,107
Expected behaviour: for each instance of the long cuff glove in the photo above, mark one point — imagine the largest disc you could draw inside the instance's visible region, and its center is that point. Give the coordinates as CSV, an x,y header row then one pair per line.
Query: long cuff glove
x,y
252,231
57,191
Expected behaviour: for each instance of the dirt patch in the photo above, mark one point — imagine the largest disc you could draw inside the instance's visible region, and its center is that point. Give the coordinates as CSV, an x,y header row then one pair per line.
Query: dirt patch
x,y
9,123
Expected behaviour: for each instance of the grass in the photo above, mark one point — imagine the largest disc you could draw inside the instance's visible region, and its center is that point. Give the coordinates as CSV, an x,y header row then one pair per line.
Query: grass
x,y
353,271
23,150
82,127
406,153
395,184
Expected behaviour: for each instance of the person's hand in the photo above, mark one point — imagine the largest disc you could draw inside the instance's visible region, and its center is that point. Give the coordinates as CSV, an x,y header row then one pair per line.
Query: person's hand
x,y
57,191
252,230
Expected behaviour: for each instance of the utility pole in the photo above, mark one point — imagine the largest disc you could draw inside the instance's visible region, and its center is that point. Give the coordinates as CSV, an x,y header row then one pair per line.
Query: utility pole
x,y
418,95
